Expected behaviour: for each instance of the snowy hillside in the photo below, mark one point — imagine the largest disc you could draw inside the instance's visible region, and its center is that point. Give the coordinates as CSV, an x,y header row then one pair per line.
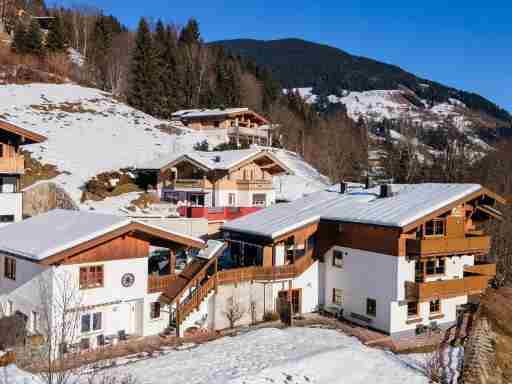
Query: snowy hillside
x,y
89,132
396,104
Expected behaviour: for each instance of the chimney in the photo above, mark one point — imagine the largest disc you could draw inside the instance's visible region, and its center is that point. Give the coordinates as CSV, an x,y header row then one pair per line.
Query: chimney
x,y
385,191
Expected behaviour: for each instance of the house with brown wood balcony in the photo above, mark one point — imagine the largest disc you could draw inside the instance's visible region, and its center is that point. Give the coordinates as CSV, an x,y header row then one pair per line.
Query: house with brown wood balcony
x,y
12,167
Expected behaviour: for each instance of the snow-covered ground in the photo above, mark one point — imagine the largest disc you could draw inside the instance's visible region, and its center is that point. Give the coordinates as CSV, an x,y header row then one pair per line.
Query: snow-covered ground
x,y
290,356
294,355
89,132
391,104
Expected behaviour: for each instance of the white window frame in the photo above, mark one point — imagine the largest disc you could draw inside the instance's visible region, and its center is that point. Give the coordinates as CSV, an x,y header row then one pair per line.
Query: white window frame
x,y
91,322
232,202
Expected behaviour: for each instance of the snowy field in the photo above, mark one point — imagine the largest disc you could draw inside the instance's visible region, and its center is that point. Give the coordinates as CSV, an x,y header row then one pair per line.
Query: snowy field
x,y
89,132
290,356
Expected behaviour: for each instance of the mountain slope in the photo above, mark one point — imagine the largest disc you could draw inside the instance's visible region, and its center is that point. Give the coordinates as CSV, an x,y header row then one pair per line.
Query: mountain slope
x,y
89,133
298,63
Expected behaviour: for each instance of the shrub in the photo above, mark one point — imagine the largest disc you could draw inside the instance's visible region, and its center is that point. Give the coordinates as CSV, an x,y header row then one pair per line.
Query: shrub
x,y
271,316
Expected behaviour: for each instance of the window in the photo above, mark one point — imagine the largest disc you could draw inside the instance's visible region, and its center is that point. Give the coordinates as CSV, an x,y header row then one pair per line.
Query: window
x,y
1,150
435,306
434,227
412,309
10,308
91,277
34,321
337,259
86,323
371,307
337,296
96,321
340,228
10,268
259,199
232,199
311,242
91,322
84,344
431,267
440,269
6,218
155,310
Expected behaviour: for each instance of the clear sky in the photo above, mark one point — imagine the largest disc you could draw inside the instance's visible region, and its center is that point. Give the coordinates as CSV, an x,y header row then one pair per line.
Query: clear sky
x,y
465,44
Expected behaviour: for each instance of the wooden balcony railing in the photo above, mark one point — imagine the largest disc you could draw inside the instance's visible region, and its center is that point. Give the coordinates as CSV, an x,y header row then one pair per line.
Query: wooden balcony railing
x,y
441,246
254,184
195,300
486,269
189,183
12,164
289,271
160,283
445,288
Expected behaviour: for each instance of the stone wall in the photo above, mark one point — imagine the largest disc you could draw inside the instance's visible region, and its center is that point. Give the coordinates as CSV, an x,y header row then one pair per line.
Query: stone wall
x,y
44,197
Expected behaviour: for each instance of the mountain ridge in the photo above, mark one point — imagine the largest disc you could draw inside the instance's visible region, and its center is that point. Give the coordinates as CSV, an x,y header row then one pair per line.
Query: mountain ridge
x,y
329,70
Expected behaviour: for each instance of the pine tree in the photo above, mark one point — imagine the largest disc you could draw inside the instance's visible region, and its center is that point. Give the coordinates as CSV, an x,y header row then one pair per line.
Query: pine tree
x,y
190,33
34,39
144,71
56,39
19,43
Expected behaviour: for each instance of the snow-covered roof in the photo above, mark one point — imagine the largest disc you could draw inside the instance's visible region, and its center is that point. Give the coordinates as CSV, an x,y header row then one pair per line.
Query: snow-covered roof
x,y
50,233
219,160
196,113
410,202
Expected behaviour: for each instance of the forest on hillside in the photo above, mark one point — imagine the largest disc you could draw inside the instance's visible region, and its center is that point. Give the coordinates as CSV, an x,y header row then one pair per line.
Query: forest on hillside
x,y
298,63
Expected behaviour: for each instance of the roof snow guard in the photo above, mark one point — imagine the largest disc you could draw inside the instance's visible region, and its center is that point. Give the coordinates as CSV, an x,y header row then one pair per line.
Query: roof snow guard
x,y
61,233
407,204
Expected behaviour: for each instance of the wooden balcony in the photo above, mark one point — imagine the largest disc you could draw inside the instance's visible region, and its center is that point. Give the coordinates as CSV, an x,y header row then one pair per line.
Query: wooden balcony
x,y
485,269
190,183
281,272
448,246
446,288
12,164
251,185
160,283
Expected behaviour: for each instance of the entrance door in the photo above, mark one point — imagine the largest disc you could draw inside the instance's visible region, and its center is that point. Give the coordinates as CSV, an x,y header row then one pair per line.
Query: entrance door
x,y
296,299
136,317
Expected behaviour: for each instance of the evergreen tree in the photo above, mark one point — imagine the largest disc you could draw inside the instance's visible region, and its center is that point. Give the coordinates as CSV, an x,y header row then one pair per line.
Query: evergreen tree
x,y
19,43
190,33
34,38
56,39
144,71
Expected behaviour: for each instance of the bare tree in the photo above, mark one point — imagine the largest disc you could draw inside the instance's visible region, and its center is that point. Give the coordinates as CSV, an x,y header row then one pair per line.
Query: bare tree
x,y
234,311
118,63
433,366
60,303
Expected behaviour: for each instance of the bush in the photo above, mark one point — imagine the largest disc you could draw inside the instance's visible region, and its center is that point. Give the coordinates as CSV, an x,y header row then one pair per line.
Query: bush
x,y
271,316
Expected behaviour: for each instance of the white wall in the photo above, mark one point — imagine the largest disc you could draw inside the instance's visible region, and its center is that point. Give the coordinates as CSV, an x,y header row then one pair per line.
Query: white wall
x,y
308,282
24,291
11,204
364,275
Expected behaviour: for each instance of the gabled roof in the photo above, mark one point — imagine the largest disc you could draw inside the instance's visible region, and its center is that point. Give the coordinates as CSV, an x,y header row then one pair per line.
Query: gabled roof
x,y
29,136
58,233
409,203
191,114
217,160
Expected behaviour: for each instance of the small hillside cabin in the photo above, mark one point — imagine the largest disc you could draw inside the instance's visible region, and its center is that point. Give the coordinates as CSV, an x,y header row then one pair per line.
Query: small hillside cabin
x,y
239,178
105,272
12,167
243,126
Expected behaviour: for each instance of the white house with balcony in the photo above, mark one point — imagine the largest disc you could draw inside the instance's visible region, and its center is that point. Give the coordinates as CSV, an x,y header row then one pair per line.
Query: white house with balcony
x,y
12,167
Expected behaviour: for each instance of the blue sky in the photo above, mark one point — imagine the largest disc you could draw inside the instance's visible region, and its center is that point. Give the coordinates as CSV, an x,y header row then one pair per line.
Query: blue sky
x,y
465,44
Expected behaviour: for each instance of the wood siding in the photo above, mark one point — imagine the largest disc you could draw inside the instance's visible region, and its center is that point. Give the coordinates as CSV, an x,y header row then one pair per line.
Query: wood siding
x,y
124,247
488,269
443,289
360,236
448,246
